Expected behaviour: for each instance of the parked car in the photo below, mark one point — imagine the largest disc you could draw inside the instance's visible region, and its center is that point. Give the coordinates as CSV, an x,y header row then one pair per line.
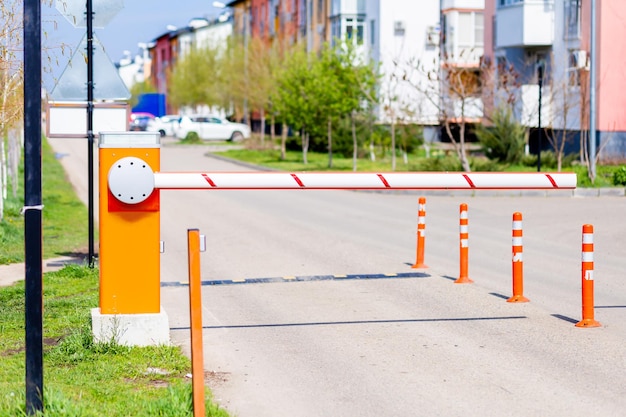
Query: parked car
x,y
164,124
139,121
211,128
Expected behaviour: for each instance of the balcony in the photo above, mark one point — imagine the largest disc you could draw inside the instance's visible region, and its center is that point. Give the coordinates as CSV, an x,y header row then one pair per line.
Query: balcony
x,y
526,23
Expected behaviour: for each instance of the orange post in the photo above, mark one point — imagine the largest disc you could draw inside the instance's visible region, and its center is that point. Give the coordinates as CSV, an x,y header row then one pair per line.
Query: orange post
x,y
421,232
195,312
518,263
587,279
463,246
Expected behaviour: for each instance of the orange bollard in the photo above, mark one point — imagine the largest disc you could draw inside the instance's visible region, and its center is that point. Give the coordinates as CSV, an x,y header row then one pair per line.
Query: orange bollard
x,y
463,246
421,234
518,263
195,312
587,279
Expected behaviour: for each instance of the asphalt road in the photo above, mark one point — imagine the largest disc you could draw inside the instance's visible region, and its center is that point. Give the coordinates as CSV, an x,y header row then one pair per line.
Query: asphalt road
x,y
395,346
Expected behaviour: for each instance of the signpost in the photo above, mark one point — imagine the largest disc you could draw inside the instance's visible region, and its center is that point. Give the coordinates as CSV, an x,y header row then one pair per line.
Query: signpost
x,y
96,13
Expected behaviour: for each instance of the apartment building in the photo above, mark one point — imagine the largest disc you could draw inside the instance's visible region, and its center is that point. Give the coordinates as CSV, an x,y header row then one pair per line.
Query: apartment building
x,y
401,37
547,42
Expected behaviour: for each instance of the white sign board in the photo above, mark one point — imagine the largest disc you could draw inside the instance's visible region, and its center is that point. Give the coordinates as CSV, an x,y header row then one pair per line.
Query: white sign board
x,y
69,119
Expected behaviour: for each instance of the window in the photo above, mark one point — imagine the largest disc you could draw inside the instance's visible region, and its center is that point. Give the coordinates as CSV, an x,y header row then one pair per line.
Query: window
x,y
508,2
479,29
372,31
576,61
470,35
572,19
354,30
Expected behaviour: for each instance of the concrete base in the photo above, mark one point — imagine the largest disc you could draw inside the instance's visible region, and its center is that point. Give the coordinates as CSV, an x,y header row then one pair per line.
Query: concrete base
x,y
130,329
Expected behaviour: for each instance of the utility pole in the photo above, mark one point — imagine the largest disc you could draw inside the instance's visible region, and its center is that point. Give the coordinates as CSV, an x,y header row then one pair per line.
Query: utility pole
x,y
592,95
540,132
90,137
33,208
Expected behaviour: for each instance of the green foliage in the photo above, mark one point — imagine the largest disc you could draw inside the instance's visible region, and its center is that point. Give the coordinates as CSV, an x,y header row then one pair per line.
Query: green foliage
x,y
191,138
311,89
504,142
446,163
548,160
196,79
619,176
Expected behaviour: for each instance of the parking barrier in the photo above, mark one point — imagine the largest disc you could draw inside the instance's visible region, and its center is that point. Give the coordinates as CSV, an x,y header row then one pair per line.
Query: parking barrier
x,y
421,234
517,262
587,279
463,246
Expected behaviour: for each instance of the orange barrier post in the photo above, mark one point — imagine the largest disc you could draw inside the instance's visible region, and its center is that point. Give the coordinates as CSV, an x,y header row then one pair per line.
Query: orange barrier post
x,y
463,246
421,234
587,279
195,311
518,263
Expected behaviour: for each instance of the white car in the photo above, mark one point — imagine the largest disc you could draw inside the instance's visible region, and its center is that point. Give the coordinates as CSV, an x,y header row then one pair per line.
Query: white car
x,y
211,128
164,124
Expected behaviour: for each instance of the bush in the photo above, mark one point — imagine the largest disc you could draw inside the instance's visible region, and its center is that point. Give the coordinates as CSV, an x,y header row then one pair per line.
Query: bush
x,y
619,176
192,137
504,142
548,160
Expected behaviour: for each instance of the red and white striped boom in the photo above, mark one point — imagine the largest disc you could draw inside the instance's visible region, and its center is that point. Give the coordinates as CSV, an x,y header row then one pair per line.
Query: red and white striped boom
x,y
356,181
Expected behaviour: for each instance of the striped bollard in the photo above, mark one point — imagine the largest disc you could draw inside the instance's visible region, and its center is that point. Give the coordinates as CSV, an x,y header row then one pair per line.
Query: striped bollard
x,y
587,279
421,234
463,246
518,263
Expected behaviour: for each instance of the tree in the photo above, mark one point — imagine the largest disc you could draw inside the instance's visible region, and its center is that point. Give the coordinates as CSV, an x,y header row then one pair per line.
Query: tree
x,y
504,141
454,88
11,91
195,79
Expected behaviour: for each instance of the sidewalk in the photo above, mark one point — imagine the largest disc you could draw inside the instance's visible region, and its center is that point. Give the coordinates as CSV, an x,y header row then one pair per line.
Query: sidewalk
x,y
10,274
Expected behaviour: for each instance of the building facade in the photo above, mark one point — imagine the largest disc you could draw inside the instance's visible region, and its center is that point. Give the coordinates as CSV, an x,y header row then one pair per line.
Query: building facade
x,y
548,43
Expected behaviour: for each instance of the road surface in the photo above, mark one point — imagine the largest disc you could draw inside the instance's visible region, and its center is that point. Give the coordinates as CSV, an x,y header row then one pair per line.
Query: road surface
x,y
327,344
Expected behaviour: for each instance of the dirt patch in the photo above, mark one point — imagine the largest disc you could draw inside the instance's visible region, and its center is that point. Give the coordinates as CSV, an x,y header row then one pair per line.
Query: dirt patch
x,y
213,379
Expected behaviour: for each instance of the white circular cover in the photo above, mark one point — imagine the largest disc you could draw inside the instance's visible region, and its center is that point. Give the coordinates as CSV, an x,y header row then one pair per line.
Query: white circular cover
x,y
131,180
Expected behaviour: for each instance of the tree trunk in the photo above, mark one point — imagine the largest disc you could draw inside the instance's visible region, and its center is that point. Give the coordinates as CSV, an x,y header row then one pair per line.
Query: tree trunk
x,y
355,145
463,153
305,146
393,143
283,142
273,130
262,111
330,143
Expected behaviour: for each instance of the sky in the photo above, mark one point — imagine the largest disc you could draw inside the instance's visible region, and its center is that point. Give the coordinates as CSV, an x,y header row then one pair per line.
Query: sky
x,y
138,21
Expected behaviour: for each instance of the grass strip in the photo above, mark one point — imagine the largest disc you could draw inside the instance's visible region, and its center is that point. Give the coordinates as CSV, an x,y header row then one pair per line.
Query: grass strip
x,y
83,378
64,215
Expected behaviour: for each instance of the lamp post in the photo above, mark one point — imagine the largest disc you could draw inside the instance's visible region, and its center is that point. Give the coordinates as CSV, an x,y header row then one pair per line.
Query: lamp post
x,y
540,82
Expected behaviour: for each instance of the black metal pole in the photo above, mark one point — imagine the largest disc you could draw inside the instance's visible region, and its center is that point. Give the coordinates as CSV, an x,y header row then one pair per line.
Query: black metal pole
x,y
90,138
540,132
33,207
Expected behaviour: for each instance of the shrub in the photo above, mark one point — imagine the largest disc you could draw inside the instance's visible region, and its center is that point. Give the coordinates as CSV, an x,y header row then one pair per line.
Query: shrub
x,y
619,176
504,142
192,137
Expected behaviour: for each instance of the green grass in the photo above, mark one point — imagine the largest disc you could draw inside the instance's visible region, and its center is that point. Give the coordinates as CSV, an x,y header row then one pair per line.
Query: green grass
x,y
82,378
64,215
